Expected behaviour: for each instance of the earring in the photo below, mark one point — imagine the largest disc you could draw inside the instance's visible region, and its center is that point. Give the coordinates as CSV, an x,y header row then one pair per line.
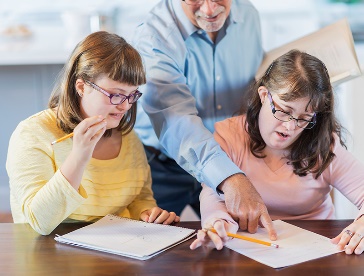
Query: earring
x,y
80,94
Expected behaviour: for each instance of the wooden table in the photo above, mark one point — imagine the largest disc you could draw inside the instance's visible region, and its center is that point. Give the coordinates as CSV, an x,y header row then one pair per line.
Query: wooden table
x,y
24,252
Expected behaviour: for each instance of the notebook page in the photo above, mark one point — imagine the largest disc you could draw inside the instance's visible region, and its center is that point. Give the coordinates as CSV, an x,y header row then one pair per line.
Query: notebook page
x,y
126,237
296,245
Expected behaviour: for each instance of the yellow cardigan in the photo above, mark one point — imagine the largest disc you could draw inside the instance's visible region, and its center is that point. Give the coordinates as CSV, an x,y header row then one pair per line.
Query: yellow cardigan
x,y
41,196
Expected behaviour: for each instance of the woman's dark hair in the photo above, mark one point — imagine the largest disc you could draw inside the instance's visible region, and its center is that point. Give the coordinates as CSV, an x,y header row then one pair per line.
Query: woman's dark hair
x,y
299,75
99,54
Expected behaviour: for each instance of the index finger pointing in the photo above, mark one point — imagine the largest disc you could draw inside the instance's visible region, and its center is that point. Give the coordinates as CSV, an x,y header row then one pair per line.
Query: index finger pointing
x,y
268,224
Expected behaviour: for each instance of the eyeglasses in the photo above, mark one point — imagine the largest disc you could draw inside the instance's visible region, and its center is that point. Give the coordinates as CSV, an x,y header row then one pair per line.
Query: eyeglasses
x,y
197,3
286,117
116,99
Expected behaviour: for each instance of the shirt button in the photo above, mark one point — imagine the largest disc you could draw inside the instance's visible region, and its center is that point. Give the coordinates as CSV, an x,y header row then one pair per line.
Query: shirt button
x,y
219,107
218,77
199,32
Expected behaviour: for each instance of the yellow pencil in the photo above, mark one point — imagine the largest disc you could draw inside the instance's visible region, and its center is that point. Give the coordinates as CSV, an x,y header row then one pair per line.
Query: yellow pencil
x,y
63,138
246,238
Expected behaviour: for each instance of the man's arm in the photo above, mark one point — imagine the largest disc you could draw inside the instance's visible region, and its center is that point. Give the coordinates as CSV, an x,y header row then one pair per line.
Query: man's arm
x,y
172,110
173,113
245,204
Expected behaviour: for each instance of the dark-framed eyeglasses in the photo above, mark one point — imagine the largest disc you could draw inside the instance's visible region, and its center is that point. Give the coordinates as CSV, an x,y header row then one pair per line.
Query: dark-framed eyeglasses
x,y
117,99
197,3
286,117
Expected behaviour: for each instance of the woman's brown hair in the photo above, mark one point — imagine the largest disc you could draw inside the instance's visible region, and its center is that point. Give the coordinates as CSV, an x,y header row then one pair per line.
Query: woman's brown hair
x,y
299,75
100,53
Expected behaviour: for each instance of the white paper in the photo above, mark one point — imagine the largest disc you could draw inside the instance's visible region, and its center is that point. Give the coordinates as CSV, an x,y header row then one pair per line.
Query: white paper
x,y
126,237
296,245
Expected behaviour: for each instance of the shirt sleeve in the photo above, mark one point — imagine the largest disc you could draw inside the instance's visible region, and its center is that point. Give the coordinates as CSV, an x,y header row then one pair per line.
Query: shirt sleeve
x,y
213,208
346,174
40,192
225,134
172,110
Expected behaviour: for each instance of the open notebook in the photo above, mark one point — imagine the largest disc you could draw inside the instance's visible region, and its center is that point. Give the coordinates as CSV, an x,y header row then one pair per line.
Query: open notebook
x,y
127,237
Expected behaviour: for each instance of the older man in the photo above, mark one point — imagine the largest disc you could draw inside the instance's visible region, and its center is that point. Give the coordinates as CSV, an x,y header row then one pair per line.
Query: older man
x,y
200,58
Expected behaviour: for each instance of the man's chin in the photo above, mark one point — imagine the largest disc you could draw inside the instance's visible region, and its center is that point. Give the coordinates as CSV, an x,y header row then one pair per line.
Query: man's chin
x,y
210,27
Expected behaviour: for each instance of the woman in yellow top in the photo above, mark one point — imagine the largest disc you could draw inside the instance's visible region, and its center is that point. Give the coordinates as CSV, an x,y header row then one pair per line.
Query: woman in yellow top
x,y
102,169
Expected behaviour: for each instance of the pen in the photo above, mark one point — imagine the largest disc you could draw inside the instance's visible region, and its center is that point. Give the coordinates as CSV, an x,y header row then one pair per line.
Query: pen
x,y
246,238
63,138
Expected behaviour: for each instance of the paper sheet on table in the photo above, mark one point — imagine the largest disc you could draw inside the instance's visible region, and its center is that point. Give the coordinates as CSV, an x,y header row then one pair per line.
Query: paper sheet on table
x,y
296,245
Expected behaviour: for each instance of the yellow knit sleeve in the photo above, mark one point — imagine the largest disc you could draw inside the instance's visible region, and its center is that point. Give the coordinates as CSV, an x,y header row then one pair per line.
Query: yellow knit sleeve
x,y
39,194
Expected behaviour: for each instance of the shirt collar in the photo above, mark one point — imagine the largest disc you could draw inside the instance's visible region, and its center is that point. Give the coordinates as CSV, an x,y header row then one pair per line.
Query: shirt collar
x,y
183,23
237,15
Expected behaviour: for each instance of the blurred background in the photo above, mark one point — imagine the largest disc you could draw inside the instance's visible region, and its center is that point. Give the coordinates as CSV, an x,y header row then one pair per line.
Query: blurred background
x,y
36,38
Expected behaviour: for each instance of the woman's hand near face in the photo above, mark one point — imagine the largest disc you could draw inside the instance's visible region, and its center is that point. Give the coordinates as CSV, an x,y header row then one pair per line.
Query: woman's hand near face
x,y
210,239
85,137
158,215
351,238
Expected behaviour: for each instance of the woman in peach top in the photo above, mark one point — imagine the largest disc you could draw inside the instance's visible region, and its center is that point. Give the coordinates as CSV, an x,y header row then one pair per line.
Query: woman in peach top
x,y
290,145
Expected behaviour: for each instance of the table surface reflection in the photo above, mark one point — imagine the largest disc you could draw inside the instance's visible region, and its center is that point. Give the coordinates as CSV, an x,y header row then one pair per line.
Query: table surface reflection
x,y
24,252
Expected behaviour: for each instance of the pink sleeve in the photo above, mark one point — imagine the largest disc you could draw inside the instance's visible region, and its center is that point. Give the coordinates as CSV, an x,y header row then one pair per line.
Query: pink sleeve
x,y
224,135
213,208
346,174
233,139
